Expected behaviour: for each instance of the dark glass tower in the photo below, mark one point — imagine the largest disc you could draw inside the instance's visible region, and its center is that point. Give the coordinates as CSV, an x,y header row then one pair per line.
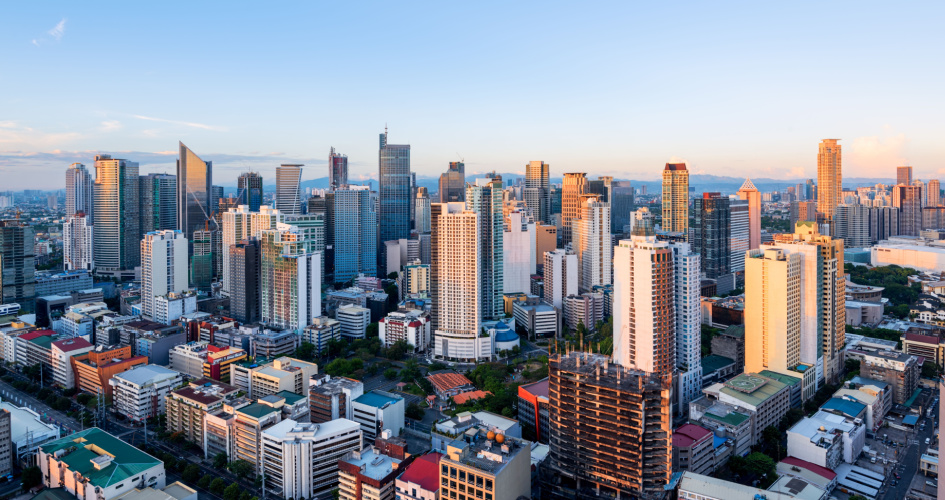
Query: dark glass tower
x,y
250,188
158,202
453,183
712,233
337,170
194,192
394,200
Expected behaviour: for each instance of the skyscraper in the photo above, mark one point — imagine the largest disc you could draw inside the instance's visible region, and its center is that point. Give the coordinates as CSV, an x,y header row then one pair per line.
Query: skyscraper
x,y
249,190
484,197
353,227
829,178
749,193
244,261
422,210
711,233
77,243
853,225
79,191
884,222
935,193
203,259
290,280
519,260
573,188
739,233
603,187
592,243
288,189
17,265
395,198
676,198
240,224
803,210
904,176
163,267
538,190
117,235
453,183
908,199
216,196
194,192
560,276
687,285
157,195
621,208
337,170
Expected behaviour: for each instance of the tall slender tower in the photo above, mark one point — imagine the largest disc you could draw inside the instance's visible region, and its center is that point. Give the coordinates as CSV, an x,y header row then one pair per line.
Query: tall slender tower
x,y
592,243
249,187
395,200
290,281
453,183
353,226
750,193
676,198
537,192
194,192
337,170
686,269
908,199
117,234
935,193
163,267
79,191
829,178
485,199
422,210
77,243
157,195
573,188
242,224
904,175
17,264
712,233
288,188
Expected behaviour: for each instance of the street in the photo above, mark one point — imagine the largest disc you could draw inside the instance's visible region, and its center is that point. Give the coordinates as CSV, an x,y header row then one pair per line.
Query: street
x,y
909,461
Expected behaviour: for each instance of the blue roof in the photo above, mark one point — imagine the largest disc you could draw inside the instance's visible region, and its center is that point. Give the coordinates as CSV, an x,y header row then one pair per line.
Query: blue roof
x,y
374,399
911,420
845,406
505,334
718,441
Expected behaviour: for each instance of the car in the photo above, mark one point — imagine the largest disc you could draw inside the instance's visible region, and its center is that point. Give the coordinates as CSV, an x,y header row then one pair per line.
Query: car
x,y
898,476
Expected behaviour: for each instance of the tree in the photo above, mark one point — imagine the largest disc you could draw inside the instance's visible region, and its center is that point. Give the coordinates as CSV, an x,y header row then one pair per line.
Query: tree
x,y
191,473
232,492
390,373
205,481
217,486
219,461
306,351
760,464
241,468
414,411
245,495
372,330
32,476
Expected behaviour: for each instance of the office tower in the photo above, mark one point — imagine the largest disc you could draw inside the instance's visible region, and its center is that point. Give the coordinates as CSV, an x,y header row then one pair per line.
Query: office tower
x,y
453,183
924,197
908,199
688,305
801,192
244,264
337,170
249,190
77,243
884,222
560,276
644,303
803,210
79,191
675,198
456,283
934,197
290,280
904,176
239,224
853,225
395,200
555,200
592,243
353,232
422,210
117,235
203,258
194,192
810,190
538,190
829,178
288,189
485,199
157,197
740,233
823,298
602,187
216,195
17,264
621,208
163,267
749,193
573,188
300,460
711,233
519,259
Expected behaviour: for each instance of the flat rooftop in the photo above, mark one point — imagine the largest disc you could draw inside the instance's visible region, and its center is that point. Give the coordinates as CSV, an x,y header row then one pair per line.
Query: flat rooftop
x,y
372,463
375,399
147,374
82,447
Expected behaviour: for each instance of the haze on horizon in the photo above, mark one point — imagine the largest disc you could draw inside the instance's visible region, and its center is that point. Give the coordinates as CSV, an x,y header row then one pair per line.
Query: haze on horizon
x,y
740,89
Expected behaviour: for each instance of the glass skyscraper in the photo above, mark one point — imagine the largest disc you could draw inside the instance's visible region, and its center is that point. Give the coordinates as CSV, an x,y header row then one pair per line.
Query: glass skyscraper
x,y
485,199
249,186
194,193
157,194
712,233
288,188
352,223
395,193
78,191
117,234
337,170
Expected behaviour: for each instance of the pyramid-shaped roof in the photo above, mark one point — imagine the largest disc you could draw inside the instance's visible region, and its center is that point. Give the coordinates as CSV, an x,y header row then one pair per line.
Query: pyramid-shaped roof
x,y
748,186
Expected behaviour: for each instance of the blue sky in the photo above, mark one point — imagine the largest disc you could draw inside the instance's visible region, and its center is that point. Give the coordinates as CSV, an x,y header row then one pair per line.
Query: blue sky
x,y
608,88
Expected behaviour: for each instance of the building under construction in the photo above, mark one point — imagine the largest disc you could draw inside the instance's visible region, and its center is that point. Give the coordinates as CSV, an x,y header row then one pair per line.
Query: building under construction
x,y
610,430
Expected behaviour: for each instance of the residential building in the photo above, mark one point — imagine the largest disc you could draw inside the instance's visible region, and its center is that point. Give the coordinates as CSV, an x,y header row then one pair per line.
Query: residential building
x,y
139,393
899,370
157,202
354,320
484,198
749,193
250,422
586,309
908,199
249,187
62,352
368,473
519,258
352,232
688,327
592,243
853,225
739,239
244,281
395,192
693,449
95,368
904,175
322,331
422,210
452,187
573,188
79,191
376,411
187,408
410,325
117,233
163,267
803,211
676,198
935,193
486,463
884,223
302,460
271,344
560,276
537,192
281,374
77,238
288,189
171,307
242,224
291,280
534,409
416,278
330,398
711,233
188,358
767,399
829,179
730,343
420,479
727,421
220,361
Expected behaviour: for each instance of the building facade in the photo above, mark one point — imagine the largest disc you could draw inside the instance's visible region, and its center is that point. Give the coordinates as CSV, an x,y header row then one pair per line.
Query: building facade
x,y
676,198
117,225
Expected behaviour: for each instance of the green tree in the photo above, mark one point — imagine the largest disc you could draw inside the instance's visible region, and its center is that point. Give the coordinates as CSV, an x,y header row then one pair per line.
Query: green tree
x,y
191,474
245,495
232,492
217,486
219,461
241,468
372,330
31,477
306,351
205,481
390,373
414,411
760,464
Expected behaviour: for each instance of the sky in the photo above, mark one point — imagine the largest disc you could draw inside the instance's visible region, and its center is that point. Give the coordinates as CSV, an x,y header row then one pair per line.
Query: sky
x,y
733,88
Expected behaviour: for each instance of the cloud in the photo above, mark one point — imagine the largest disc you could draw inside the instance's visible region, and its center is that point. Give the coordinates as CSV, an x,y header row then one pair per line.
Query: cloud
x,y
185,124
14,134
110,125
876,155
59,30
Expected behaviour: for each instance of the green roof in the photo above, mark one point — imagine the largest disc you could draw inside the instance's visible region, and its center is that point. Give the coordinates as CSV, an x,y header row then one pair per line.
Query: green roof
x,y
780,377
733,418
54,494
713,362
915,395
752,389
257,410
290,397
45,341
735,331
80,448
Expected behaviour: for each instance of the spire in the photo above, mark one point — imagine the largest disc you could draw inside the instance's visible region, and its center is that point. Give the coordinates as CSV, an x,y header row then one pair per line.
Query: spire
x,y
748,186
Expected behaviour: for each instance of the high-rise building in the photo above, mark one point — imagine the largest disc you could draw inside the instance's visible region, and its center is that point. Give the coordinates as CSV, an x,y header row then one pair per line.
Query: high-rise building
x,y
688,304
749,193
249,190
163,267
740,233
829,178
216,196
603,187
934,198
852,225
676,198
884,222
17,264
422,210
485,199
925,192
157,195
77,240
203,260
395,196
573,188
117,235
290,280
300,460
904,176
289,189
711,233
537,192
592,244
519,260
456,283
560,276
194,193
908,199
803,210
244,265
337,170
453,183
241,224
79,191
352,228
621,208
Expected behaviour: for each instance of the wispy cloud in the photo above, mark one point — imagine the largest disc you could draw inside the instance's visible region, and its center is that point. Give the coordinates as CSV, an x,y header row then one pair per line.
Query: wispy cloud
x,y
182,123
110,125
57,32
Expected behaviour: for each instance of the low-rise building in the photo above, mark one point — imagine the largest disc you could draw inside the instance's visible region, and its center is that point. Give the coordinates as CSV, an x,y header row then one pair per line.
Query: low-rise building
x,y
188,358
169,308
725,421
860,313
302,460
368,473
27,433
730,343
330,398
281,374
898,369
140,393
376,411
219,429
187,408
322,331
929,347
448,384
354,320
693,449
420,479
820,477
533,410
247,429
219,362
767,399
94,368
271,344
717,369
826,439
536,317
62,352
484,464
410,325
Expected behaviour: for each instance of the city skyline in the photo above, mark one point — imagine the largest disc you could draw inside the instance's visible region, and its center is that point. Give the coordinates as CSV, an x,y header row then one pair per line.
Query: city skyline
x,y
739,104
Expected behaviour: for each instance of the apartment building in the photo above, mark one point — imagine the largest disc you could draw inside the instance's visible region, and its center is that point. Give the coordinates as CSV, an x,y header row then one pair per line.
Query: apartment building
x,y
186,408
485,464
331,398
899,370
282,374
301,460
188,358
62,352
322,331
368,473
220,360
140,393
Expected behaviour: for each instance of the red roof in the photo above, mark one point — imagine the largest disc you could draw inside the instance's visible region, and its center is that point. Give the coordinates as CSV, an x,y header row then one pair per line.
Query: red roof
x,y
925,339
67,345
448,380
424,471
686,435
213,348
469,396
36,334
816,469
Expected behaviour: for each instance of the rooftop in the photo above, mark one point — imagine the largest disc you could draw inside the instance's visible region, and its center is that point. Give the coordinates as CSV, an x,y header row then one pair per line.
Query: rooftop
x,y
424,471
335,385
734,331
24,422
464,397
444,381
81,448
803,464
714,362
780,377
539,388
290,397
688,434
925,339
376,399
797,488
36,334
205,391
845,406
752,389
147,374
719,488
732,418
372,463
73,344
475,450
257,410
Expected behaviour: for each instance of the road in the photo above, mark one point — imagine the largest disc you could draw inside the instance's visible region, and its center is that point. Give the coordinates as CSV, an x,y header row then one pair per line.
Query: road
x,y
908,465
66,423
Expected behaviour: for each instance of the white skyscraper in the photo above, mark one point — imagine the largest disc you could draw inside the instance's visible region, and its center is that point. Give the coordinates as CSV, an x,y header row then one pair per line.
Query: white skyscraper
x,y
77,243
591,242
740,240
291,279
688,325
163,267
240,224
519,259
79,191
288,189
561,277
